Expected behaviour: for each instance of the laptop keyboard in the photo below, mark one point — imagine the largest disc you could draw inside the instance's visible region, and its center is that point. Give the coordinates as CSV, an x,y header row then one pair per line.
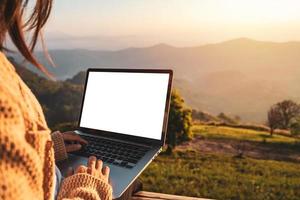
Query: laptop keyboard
x,y
113,152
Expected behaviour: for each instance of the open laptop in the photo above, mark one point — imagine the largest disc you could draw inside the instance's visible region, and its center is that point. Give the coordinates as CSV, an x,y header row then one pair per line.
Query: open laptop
x,y
124,118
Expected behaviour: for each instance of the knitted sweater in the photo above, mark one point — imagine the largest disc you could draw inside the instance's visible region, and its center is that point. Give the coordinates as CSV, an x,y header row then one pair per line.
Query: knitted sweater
x,y
27,166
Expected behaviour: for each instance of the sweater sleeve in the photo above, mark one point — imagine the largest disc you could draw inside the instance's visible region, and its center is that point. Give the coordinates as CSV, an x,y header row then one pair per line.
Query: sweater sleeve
x,y
59,146
86,187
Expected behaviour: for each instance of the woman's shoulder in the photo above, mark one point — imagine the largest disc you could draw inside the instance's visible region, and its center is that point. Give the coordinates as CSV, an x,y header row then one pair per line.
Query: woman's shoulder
x,y
16,92
10,112
7,83
10,99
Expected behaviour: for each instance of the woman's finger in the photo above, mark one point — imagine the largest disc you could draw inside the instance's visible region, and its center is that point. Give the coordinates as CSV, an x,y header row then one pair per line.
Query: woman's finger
x,y
79,139
81,169
71,136
73,147
92,162
106,171
99,164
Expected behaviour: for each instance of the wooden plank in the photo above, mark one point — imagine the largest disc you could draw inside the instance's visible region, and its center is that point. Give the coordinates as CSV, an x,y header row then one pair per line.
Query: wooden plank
x,y
143,195
142,198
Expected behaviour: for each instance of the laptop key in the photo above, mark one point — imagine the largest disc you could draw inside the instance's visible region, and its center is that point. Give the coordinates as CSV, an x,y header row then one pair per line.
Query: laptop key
x,y
117,162
135,157
108,155
104,159
114,156
131,160
130,165
99,157
110,160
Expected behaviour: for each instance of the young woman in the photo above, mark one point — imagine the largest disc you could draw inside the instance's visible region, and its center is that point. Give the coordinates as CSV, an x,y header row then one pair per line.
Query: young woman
x,y
27,147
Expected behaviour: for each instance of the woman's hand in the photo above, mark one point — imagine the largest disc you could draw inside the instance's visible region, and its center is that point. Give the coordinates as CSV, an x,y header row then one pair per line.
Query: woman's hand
x,y
94,168
73,141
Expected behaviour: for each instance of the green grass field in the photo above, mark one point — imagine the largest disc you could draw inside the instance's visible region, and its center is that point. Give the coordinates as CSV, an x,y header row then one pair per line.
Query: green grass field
x,y
240,134
223,176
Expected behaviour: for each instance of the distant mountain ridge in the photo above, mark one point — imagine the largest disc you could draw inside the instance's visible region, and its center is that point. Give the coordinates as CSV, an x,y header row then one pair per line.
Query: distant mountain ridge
x,y
241,77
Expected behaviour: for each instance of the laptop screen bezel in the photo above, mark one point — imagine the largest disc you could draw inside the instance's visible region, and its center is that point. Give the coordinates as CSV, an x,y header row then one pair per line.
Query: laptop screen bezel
x,y
121,136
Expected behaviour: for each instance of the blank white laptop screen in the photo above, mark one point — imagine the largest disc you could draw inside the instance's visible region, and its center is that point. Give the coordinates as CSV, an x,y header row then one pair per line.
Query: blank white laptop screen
x,y
126,102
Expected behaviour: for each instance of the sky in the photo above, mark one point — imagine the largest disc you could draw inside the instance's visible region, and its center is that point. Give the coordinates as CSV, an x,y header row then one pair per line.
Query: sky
x,y
124,23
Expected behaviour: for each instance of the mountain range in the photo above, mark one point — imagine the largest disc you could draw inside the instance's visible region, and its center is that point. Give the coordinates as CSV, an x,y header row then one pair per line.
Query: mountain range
x,y
241,77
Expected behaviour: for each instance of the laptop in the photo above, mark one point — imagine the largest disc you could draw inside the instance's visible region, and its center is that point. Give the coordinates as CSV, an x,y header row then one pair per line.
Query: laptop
x,y
124,118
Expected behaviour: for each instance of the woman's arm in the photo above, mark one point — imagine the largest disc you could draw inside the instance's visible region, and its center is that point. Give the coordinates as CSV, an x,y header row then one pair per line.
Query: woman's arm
x,y
61,148
60,151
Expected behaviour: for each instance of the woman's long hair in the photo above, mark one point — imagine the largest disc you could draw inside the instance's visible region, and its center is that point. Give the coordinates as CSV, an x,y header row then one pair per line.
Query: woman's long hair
x,y
12,14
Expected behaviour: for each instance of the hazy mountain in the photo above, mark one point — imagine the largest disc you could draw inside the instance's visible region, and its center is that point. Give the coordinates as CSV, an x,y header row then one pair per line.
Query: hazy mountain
x,y
61,40
241,77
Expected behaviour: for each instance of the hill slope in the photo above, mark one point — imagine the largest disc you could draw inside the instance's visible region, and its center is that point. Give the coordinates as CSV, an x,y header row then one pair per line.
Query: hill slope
x,y
242,77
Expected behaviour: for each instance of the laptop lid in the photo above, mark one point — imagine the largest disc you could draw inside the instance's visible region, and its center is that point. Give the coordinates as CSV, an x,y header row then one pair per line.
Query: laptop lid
x,y
127,104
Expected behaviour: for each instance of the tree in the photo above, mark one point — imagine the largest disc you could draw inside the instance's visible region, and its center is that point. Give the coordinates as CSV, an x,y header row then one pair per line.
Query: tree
x,y
180,122
282,114
274,118
288,110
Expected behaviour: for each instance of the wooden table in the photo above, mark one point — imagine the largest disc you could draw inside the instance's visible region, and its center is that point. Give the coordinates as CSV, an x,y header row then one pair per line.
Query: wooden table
x,y
142,195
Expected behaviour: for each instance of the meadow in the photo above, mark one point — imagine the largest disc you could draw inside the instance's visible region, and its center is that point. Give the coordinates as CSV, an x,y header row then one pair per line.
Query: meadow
x,y
221,132
222,174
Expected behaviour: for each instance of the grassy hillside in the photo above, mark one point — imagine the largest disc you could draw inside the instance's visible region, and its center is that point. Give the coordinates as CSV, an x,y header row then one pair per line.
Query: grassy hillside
x,y
223,177
208,166
215,132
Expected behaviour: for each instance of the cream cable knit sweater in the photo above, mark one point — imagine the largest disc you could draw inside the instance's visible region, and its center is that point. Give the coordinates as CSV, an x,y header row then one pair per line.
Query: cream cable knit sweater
x,y
26,148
